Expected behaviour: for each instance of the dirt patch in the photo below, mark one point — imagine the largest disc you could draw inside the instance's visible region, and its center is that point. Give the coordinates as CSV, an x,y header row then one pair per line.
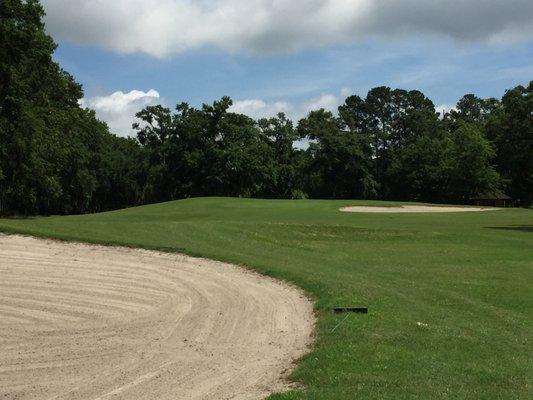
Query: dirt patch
x,y
415,209
91,322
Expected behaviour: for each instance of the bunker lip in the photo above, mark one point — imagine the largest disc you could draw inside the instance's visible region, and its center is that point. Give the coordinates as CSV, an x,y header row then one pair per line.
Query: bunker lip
x,y
81,321
415,209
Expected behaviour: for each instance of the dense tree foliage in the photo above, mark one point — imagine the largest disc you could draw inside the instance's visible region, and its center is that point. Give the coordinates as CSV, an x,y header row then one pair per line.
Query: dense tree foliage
x,y
390,145
510,129
56,157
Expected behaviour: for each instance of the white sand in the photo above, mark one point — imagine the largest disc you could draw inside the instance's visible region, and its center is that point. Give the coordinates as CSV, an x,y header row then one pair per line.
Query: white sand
x,y
415,209
90,322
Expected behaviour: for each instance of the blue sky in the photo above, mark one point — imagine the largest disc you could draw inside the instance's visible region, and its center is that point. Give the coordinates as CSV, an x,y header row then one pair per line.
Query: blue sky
x,y
263,76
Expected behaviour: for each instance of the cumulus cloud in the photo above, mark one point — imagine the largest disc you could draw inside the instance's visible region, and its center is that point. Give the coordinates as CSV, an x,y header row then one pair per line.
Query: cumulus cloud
x,y
165,27
444,108
118,109
257,108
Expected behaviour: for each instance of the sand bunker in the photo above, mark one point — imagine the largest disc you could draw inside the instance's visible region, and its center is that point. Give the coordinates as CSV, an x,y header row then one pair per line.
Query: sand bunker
x,y
415,209
90,322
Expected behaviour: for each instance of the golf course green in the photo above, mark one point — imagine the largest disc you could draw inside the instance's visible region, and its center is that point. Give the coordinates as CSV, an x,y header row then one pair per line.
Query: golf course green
x,y
450,295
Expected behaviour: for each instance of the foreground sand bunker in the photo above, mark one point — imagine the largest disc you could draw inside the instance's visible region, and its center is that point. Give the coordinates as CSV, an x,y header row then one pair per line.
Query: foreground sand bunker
x,y
90,322
415,209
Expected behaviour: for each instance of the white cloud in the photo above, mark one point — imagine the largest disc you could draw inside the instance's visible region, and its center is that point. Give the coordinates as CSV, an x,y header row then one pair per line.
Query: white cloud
x,y
118,109
328,102
165,27
257,108
444,108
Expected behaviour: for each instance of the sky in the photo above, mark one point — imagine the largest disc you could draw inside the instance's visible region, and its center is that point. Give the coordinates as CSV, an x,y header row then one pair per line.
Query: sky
x,y
286,55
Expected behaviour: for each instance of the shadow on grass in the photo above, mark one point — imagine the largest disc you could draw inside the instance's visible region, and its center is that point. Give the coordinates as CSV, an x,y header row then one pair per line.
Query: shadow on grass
x,y
18,217
520,228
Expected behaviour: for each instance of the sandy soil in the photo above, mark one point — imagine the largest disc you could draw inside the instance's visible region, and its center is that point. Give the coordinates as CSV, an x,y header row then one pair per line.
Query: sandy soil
x,y
89,322
415,209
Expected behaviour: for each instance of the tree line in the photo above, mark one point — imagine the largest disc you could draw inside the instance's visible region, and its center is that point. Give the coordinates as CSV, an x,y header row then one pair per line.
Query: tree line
x,y
58,158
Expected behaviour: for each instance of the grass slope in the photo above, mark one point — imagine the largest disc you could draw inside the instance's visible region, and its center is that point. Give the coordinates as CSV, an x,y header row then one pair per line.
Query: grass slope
x,y
450,295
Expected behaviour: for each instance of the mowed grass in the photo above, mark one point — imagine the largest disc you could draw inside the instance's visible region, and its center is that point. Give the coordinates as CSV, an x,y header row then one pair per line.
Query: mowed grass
x,y
450,295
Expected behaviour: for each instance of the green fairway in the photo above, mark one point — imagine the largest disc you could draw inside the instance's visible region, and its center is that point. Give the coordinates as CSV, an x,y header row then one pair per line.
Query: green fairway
x,y
450,296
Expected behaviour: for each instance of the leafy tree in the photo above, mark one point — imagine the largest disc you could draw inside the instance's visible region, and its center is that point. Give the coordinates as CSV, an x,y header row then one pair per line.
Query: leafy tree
x,y
281,135
338,159
392,119
247,158
121,174
207,151
53,154
510,128
471,172
155,134
34,94
420,170
472,109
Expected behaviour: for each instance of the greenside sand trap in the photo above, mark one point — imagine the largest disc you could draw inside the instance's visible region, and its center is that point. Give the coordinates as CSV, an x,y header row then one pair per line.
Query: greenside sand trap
x,y
415,209
91,322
